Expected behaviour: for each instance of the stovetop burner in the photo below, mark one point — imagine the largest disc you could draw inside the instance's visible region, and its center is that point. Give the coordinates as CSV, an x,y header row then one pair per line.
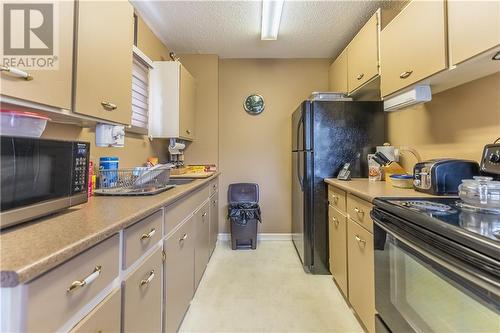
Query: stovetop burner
x,y
427,205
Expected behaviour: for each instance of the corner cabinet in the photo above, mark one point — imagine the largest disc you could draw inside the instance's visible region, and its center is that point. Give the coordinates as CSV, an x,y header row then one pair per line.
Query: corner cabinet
x,y
363,54
468,35
47,87
103,60
173,94
413,45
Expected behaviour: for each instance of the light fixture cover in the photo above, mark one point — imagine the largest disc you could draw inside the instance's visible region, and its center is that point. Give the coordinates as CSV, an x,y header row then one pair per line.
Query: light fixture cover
x,y
271,18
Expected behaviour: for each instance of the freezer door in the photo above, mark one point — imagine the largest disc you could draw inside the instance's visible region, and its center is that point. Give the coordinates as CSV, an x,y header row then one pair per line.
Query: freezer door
x,y
298,202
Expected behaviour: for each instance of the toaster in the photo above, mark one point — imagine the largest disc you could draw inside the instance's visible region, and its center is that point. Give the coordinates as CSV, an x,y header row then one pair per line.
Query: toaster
x,y
442,176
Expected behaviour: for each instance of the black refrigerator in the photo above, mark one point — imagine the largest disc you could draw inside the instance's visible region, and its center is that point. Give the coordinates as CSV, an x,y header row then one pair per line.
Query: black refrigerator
x,y
325,135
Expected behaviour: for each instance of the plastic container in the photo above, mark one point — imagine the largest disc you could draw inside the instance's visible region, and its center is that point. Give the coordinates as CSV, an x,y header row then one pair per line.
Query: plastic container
x,y
480,192
22,123
243,236
110,165
402,181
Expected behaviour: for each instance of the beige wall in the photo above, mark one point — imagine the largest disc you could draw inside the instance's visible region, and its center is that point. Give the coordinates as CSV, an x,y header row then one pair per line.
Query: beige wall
x,y
137,147
257,148
205,69
456,123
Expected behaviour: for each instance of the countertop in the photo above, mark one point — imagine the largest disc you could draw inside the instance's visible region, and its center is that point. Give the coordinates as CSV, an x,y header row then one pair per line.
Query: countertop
x,y
369,190
31,249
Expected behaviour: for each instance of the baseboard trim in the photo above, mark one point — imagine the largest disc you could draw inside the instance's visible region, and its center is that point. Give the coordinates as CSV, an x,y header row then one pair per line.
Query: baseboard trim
x,y
260,237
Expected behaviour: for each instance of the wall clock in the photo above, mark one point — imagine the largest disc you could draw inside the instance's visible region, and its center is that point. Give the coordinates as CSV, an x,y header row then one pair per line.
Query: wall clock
x,y
254,104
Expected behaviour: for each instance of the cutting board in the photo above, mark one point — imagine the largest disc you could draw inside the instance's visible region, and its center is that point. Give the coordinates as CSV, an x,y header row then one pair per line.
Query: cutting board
x,y
197,175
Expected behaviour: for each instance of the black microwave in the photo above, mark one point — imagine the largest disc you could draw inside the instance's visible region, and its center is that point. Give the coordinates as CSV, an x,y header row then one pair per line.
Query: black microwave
x,y
40,177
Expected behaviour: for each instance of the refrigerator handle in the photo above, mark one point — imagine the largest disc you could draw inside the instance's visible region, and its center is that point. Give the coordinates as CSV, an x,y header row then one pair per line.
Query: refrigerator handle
x,y
299,172
301,123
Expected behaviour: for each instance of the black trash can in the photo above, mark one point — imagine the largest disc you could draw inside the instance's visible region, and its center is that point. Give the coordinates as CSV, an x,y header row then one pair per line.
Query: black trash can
x,y
243,214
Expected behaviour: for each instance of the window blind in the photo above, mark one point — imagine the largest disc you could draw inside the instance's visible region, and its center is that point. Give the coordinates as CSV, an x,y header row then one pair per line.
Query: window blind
x,y
140,94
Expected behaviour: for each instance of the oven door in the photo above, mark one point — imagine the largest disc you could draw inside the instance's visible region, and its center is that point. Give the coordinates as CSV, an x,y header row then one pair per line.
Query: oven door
x,y
419,288
36,177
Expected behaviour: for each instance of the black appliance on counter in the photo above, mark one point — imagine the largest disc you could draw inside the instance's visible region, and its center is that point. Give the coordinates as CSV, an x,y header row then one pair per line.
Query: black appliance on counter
x,y
40,177
437,263
325,135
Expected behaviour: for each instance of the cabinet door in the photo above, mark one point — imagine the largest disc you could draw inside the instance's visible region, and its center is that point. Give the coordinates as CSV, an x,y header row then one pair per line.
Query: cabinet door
x,y
338,248
103,83
202,247
361,273
362,53
186,104
337,74
473,27
104,318
413,45
48,87
142,297
214,221
179,274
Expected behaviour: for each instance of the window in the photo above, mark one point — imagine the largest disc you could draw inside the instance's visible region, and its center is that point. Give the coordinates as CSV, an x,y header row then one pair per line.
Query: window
x,y
140,92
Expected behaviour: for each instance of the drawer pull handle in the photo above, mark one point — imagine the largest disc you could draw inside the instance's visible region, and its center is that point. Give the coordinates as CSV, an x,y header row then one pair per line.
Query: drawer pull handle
x,y
149,279
360,76
405,75
183,238
360,240
16,72
89,279
188,131
358,211
109,106
149,234
334,219
204,214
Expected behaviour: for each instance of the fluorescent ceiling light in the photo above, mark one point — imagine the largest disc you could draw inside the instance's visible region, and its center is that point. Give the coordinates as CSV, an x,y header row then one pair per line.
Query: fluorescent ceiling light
x,y
271,18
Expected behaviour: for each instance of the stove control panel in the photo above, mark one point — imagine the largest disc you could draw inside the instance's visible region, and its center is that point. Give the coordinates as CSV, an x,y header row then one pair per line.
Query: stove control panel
x,y
490,162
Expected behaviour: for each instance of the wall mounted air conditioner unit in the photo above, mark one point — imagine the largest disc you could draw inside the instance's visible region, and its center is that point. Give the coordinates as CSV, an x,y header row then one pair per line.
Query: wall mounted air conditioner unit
x,y
419,94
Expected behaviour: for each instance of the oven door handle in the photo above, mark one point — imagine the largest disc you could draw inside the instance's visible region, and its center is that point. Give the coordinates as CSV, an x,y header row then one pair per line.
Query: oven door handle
x,y
483,281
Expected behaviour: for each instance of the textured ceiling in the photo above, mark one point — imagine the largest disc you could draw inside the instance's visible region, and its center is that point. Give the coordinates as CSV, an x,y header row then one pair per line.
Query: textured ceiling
x,y
231,29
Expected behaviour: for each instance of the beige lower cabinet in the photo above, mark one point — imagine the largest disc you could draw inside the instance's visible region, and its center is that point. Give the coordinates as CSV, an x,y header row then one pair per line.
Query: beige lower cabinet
x,y
142,298
179,274
338,248
361,273
214,221
105,317
202,246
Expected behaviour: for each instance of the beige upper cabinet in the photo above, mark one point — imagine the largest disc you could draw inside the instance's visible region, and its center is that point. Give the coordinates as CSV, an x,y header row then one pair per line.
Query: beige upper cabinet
x,y
413,45
173,91
473,27
363,54
50,87
104,39
337,74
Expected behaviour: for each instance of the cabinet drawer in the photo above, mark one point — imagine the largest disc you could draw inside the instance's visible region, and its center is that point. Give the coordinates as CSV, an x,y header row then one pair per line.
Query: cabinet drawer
x,y
50,87
214,186
361,273
179,274
54,287
413,45
142,296
179,210
337,198
138,238
359,211
362,53
104,318
338,247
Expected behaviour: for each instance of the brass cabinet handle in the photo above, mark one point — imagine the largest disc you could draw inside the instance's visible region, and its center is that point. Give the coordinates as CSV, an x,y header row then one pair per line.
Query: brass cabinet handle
x,y
360,76
335,198
360,240
108,105
204,214
16,72
149,234
163,256
358,211
214,202
183,238
89,279
188,131
334,219
405,74
149,279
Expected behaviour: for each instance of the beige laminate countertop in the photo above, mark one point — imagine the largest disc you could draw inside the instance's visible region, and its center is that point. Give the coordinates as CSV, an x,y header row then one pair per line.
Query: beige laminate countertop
x,y
31,249
369,190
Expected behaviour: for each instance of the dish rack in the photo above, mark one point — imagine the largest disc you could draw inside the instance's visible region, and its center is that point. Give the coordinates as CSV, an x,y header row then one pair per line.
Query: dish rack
x,y
136,181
